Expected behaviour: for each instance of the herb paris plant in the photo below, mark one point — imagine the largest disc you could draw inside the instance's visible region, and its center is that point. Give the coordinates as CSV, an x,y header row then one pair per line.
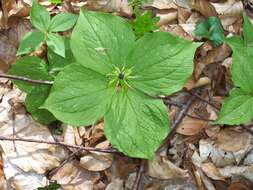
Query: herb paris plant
x,y
237,108
118,78
47,29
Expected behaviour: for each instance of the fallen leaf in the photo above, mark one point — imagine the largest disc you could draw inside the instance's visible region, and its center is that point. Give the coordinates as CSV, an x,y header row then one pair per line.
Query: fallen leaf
x,y
238,186
211,171
204,7
162,168
230,139
116,184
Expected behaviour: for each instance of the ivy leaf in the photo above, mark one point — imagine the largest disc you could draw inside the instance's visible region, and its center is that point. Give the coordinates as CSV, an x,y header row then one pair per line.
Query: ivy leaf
x,y
100,44
143,24
108,83
30,67
31,42
55,42
62,22
34,100
236,109
136,124
211,29
56,62
40,17
79,96
169,67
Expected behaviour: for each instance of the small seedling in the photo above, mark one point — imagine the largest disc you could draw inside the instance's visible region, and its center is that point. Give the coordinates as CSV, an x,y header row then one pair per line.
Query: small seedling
x,y
46,30
55,1
51,186
144,23
211,29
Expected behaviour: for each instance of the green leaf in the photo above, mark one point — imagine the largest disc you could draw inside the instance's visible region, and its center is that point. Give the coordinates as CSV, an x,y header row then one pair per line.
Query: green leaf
x,y
236,109
242,67
55,42
62,22
247,30
144,23
52,186
211,29
55,1
31,42
79,96
137,2
136,124
30,67
40,17
56,62
34,100
101,41
165,68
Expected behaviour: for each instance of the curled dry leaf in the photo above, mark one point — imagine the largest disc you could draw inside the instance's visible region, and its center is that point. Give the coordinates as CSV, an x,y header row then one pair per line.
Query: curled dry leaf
x,y
166,18
162,168
3,184
116,184
97,161
239,186
161,4
212,171
230,139
73,177
204,7
235,171
229,8
73,135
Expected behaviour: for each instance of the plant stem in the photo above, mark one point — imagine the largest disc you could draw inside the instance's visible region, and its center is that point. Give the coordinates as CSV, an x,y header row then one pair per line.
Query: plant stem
x,y
139,175
25,79
105,150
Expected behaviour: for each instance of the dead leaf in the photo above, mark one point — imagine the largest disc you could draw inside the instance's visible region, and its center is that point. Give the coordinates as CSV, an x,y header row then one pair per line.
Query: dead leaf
x,y
204,7
162,168
116,184
230,139
73,177
211,171
238,186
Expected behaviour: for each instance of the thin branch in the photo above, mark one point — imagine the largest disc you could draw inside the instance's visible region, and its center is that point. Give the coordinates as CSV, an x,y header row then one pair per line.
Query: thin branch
x,y
139,175
25,79
177,121
105,150
203,100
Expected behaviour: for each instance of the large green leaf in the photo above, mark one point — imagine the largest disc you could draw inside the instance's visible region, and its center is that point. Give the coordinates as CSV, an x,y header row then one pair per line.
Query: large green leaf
x,y
236,109
34,100
55,42
62,22
30,67
242,67
79,96
247,30
40,17
31,42
136,124
101,40
161,63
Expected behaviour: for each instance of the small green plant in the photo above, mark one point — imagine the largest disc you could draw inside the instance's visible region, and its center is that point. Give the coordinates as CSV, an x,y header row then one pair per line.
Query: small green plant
x,y
47,28
119,79
144,23
237,108
51,186
137,2
55,1
211,29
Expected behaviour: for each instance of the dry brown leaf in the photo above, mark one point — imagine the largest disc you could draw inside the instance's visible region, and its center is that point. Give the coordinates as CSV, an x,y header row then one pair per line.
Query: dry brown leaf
x,y
162,168
211,171
3,184
165,18
204,7
238,186
230,139
73,177
161,4
191,84
178,30
116,184
230,8
235,171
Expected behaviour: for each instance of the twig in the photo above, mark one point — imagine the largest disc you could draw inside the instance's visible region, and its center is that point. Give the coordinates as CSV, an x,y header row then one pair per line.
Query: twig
x,y
177,121
25,79
139,175
106,150
203,100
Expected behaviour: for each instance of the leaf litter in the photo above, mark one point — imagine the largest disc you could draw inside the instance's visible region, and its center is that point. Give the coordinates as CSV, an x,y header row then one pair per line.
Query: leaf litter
x,y
198,157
